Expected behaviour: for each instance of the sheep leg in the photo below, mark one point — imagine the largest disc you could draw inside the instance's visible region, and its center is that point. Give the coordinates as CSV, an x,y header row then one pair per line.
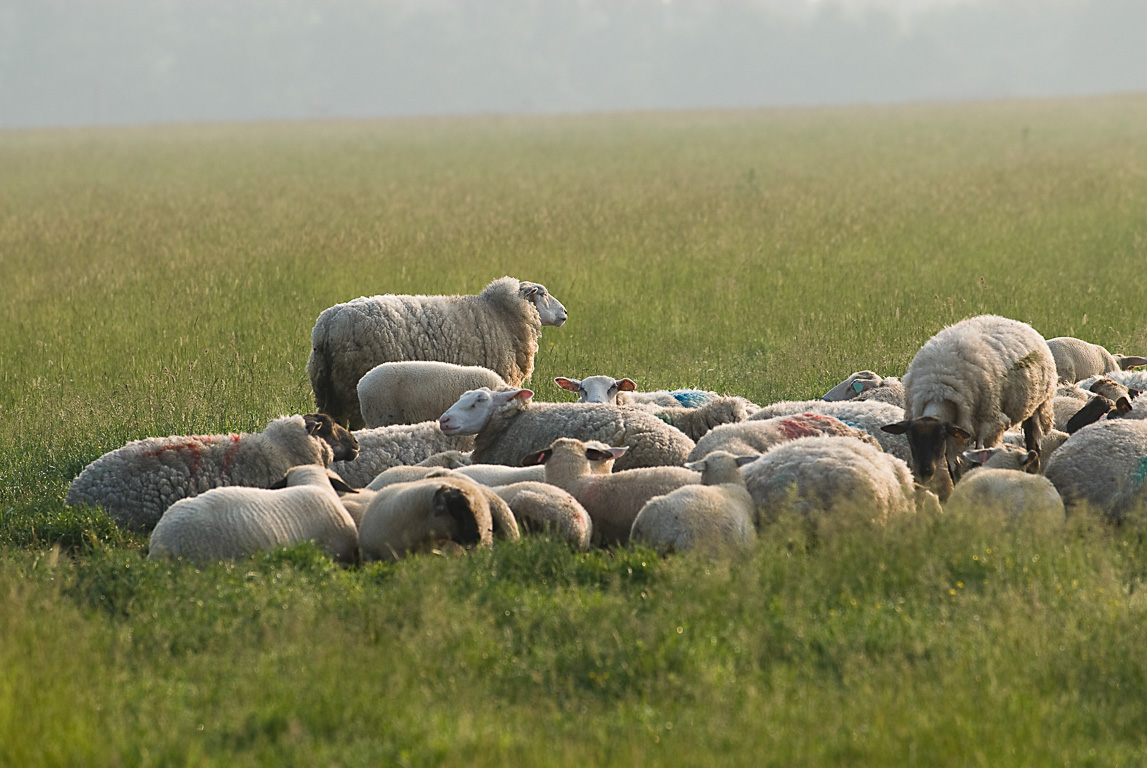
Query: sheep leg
x,y
1033,435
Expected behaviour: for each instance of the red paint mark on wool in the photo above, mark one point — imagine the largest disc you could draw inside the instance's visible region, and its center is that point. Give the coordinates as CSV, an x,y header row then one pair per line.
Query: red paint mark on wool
x,y
230,456
798,426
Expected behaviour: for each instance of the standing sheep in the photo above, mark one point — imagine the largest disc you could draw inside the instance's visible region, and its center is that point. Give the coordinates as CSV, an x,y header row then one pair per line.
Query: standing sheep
x,y
717,515
612,499
497,329
229,523
970,382
417,390
508,427
397,445
830,474
1076,359
1104,466
137,482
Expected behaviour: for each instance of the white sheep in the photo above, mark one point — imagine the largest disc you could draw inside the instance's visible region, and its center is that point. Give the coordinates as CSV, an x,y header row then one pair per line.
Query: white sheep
x,y
1048,444
1076,359
1000,480
397,445
1104,466
230,523
868,385
830,474
411,391
543,508
497,329
137,482
969,383
406,517
606,389
612,499
1135,381
757,436
508,427
717,515
868,415
697,421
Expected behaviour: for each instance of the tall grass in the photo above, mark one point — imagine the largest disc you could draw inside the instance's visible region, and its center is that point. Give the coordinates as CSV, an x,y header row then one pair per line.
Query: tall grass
x,y
164,280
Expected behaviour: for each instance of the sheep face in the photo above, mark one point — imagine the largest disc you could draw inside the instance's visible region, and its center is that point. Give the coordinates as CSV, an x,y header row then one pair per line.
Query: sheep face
x,y
935,446
596,389
592,452
853,386
550,310
343,444
473,410
1097,408
1002,457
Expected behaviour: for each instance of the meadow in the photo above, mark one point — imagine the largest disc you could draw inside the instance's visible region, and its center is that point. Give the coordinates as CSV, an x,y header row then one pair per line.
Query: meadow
x,y
164,280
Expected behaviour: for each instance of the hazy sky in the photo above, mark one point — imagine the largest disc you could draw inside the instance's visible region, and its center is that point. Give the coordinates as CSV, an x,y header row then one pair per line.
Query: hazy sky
x,y
74,62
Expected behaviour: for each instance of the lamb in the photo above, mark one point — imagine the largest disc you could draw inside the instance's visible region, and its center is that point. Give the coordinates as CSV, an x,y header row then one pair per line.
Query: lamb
x,y
135,484
417,390
543,508
1076,359
830,474
868,415
970,382
1048,444
497,329
230,523
508,427
398,444
757,436
606,389
1103,466
868,385
995,483
612,499
717,515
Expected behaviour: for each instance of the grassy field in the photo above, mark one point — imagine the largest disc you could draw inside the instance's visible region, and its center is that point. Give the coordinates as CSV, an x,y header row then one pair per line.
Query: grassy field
x,y
165,280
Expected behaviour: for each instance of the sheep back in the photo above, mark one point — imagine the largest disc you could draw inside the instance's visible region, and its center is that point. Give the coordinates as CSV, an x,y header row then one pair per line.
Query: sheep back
x,y
868,415
757,436
1103,465
421,390
406,517
710,518
541,508
399,444
1016,494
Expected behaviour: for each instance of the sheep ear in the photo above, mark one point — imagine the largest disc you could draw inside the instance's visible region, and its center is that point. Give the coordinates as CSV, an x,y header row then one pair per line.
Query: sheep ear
x,y
962,436
696,466
506,395
1130,361
1123,405
979,458
593,454
536,458
743,460
315,422
619,451
1134,393
278,484
899,428
339,484
626,385
570,384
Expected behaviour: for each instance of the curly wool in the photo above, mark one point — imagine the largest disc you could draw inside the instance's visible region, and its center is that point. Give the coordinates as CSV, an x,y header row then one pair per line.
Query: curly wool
x,y
397,445
135,484
757,436
495,329
868,415
1103,465
696,421
518,429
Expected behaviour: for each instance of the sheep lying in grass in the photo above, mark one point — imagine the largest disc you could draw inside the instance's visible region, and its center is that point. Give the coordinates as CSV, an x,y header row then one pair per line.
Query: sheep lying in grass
x,y
541,508
398,445
1076,359
1104,466
969,383
612,499
508,427
606,389
830,474
496,329
697,422
135,484
868,415
1000,479
717,515
868,385
230,523
757,436
419,390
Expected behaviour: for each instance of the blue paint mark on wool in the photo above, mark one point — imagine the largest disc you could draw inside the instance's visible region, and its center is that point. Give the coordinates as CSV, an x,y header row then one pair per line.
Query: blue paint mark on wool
x,y
1141,474
691,398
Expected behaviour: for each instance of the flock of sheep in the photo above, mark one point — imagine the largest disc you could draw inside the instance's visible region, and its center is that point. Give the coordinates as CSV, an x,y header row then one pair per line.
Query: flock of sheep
x,y
449,451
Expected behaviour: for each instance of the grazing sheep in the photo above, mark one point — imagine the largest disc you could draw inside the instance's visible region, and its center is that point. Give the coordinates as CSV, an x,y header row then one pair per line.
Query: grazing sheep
x,y
758,436
406,517
970,382
612,499
229,523
398,445
1104,466
137,482
830,474
606,389
509,427
543,508
497,329
1076,359
869,415
717,515
417,390
868,385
